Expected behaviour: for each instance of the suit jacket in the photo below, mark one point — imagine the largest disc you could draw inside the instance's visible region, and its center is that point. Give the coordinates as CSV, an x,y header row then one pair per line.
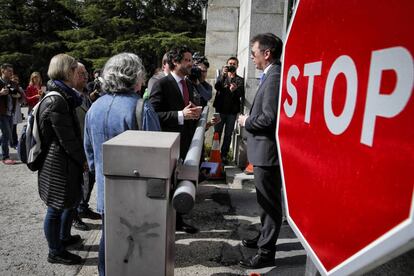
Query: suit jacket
x,y
167,100
261,123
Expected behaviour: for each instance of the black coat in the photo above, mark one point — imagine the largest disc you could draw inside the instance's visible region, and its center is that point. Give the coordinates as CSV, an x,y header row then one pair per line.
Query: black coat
x,y
60,176
226,101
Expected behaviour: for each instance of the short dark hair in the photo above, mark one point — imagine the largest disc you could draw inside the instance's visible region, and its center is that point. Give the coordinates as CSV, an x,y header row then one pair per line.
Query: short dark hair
x,y
199,59
177,54
232,58
269,41
206,63
6,65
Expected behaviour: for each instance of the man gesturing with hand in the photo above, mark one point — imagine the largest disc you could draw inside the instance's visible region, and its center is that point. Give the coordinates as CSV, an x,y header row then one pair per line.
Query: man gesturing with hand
x,y
173,99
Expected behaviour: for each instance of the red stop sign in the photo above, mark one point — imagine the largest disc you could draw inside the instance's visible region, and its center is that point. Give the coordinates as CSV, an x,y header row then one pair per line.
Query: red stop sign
x,y
346,130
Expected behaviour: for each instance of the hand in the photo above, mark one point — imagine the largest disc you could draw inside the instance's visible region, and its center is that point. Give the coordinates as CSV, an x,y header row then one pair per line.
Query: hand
x,y
215,120
16,96
242,120
4,91
233,86
94,95
225,69
192,112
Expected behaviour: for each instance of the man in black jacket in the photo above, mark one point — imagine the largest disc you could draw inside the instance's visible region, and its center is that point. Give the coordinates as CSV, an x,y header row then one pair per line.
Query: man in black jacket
x,y
6,111
172,98
230,90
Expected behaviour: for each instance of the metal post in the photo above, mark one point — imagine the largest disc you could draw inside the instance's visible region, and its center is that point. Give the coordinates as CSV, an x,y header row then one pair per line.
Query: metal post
x,y
184,195
139,217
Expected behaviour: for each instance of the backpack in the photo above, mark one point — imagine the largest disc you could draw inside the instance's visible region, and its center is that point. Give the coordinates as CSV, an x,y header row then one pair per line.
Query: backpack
x,y
33,144
21,145
147,118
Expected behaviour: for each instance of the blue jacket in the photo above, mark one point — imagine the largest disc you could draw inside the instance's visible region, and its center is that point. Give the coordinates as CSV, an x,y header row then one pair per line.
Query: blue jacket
x,y
108,116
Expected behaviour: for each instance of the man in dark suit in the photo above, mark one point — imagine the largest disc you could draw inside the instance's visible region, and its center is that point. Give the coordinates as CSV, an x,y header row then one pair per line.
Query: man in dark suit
x,y
172,98
260,125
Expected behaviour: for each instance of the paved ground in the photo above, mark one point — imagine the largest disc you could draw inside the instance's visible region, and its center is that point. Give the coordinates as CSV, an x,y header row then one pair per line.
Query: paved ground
x,y
224,213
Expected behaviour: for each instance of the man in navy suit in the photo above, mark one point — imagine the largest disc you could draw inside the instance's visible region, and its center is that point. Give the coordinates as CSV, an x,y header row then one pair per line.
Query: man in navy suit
x,y
173,99
260,125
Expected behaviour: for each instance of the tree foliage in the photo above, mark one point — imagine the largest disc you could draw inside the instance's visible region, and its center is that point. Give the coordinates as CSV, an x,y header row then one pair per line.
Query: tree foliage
x,y
32,31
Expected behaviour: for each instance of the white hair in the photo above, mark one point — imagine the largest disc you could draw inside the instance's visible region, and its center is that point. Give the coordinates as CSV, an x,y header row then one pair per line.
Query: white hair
x,y
122,72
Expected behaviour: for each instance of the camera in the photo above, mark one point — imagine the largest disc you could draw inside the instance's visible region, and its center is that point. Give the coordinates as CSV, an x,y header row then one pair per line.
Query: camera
x,y
12,89
231,68
195,74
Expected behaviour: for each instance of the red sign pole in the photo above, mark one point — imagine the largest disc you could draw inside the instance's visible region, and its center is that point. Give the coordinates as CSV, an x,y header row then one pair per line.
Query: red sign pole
x,y
346,130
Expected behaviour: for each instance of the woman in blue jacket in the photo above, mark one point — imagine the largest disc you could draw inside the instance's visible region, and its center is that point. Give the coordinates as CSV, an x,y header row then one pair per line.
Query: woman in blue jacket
x,y
109,116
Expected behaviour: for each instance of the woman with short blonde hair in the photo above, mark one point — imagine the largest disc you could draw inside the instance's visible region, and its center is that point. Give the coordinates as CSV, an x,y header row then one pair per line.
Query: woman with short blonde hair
x,y
63,159
62,67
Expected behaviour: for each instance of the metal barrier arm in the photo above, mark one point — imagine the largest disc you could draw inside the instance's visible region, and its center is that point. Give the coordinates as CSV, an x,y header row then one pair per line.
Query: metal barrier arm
x,y
184,195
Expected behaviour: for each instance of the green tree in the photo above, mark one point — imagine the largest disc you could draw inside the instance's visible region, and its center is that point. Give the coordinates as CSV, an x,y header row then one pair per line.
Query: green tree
x,y
93,30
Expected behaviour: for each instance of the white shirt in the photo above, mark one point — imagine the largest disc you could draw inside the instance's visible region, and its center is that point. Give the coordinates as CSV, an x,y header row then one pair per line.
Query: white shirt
x,y
267,69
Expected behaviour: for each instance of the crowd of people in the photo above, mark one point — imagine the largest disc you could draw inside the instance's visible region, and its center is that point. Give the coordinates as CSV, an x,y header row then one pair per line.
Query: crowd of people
x,y
75,123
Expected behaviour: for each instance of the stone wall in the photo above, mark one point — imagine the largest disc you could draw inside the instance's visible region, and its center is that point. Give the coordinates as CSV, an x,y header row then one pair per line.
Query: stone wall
x,y
230,26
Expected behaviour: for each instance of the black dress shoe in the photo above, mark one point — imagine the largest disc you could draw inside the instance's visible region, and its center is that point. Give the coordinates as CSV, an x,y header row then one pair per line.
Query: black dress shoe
x,y
65,257
88,213
250,243
258,261
72,240
186,228
80,225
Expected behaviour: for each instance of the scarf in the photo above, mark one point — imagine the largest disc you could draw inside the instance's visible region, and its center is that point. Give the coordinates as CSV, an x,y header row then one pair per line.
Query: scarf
x,y
74,98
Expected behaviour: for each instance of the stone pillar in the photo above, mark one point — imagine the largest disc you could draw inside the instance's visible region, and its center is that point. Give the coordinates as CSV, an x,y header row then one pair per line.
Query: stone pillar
x,y
221,33
256,16
221,41
230,26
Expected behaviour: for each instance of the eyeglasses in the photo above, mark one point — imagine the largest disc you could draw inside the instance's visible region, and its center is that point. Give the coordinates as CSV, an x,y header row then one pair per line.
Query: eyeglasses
x,y
254,54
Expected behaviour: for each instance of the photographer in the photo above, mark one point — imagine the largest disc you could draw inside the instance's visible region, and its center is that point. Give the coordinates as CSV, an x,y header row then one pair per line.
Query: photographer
x,y
19,97
95,87
198,77
6,111
230,89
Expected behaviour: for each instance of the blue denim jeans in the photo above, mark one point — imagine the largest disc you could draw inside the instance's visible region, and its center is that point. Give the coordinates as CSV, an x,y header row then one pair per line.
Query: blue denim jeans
x,y
227,121
101,253
6,123
57,226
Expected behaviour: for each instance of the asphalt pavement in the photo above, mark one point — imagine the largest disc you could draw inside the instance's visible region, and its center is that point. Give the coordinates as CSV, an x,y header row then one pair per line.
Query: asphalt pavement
x,y
225,212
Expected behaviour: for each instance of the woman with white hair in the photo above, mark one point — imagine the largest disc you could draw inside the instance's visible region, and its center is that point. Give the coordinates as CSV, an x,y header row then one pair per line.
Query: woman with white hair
x,y
109,116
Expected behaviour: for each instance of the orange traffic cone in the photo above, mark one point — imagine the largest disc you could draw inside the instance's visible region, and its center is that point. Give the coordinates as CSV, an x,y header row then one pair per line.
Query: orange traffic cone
x,y
215,156
249,169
